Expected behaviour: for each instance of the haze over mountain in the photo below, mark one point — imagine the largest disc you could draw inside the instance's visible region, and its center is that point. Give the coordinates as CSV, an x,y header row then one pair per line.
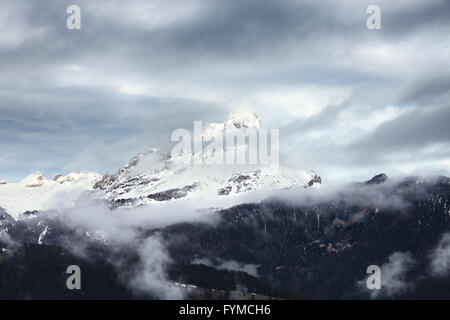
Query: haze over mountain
x,y
153,176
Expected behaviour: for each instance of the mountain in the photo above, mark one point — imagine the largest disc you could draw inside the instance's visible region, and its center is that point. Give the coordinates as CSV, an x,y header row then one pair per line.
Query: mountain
x,y
298,248
379,178
153,176
5,219
321,249
238,119
273,231
37,193
156,177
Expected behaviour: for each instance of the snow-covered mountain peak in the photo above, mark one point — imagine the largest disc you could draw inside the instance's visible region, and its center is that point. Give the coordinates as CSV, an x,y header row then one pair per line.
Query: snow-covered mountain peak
x,y
36,193
156,177
149,161
243,118
238,119
83,177
34,179
37,179
153,177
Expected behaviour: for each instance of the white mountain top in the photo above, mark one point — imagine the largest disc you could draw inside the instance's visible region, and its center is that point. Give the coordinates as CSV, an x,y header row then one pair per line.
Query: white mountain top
x,y
153,177
36,178
239,119
35,192
243,118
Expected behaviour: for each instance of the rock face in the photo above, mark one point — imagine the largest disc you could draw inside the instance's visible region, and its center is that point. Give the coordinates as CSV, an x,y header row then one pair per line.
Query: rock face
x,y
5,218
379,178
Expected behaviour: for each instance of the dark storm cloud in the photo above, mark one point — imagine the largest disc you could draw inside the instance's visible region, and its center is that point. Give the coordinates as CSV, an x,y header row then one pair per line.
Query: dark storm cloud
x,y
343,96
408,133
416,16
433,90
226,30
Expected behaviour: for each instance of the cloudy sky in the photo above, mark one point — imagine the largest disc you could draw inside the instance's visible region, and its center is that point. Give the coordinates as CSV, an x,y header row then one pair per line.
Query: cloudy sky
x,y
349,102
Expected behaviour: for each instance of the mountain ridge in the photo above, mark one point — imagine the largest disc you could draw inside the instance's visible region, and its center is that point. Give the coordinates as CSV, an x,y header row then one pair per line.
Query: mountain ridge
x,y
153,177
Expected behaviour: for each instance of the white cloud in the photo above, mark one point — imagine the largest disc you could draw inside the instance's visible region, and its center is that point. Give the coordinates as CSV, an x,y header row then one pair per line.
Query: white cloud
x,y
150,275
440,257
393,276
302,101
231,265
287,61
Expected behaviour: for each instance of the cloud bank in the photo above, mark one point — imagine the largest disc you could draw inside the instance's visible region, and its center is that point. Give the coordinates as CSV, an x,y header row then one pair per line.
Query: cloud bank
x,y
349,102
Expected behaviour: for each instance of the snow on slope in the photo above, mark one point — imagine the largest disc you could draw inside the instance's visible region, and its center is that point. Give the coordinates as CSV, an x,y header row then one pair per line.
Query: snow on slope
x,y
35,192
137,184
152,177
238,119
155,177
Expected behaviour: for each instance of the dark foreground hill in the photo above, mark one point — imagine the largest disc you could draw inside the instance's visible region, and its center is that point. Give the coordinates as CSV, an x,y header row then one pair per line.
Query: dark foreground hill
x,y
285,247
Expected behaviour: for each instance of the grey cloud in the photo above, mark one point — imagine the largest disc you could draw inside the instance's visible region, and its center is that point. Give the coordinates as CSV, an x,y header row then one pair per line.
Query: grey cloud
x,y
412,131
440,257
385,196
124,229
413,18
434,90
107,128
151,274
61,99
249,268
393,276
